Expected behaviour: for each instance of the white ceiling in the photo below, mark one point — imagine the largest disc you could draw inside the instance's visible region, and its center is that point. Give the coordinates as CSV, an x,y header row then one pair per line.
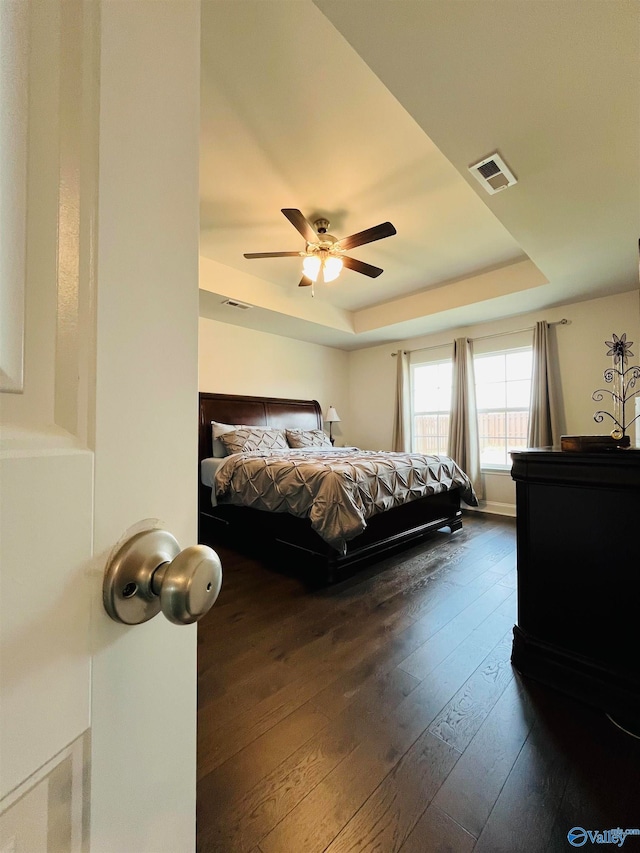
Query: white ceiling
x,y
370,111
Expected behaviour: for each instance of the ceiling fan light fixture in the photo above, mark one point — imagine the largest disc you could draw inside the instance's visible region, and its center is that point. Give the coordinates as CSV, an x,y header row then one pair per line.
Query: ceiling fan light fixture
x,y
311,267
332,268
323,252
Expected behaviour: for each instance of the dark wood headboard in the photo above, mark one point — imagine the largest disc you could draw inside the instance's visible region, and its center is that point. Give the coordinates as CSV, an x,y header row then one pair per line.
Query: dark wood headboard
x,y
254,411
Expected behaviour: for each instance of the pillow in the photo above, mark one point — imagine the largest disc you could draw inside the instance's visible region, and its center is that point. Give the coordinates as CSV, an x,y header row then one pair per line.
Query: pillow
x,y
307,438
218,429
246,439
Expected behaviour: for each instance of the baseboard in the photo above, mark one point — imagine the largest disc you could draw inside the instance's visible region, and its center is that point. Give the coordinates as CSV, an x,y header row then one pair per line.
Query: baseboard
x,y
494,508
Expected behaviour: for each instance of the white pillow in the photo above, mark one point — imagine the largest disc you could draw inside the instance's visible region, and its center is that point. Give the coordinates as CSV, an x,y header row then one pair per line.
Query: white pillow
x,y
218,429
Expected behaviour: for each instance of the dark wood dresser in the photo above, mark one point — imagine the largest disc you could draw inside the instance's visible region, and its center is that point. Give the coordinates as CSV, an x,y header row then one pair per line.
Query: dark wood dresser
x,y
578,530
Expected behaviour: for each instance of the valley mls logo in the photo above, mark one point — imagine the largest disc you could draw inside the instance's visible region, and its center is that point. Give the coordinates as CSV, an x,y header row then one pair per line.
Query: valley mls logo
x,y
578,836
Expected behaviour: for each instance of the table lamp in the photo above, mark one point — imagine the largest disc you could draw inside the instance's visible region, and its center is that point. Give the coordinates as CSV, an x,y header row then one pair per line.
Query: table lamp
x,y
331,418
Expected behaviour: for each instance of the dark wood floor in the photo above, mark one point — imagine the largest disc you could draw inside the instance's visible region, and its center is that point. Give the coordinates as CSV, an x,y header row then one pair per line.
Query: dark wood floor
x,y
383,714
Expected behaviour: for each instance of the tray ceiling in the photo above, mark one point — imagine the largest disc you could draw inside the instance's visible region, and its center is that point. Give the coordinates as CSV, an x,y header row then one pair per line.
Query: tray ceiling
x,y
345,111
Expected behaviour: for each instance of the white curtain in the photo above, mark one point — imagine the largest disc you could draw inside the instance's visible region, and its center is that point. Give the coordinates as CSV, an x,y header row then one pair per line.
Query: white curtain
x,y
542,410
464,446
402,416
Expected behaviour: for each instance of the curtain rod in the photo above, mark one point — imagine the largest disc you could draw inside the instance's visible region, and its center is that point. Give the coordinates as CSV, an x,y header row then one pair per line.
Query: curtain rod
x,y
563,322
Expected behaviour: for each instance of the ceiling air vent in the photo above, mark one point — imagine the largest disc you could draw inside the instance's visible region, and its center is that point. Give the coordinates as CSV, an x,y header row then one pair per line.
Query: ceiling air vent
x,y
233,303
493,173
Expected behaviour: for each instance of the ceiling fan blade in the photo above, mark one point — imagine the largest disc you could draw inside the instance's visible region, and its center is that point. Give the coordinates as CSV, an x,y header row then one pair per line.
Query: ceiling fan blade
x,y
273,255
305,282
370,235
303,225
360,266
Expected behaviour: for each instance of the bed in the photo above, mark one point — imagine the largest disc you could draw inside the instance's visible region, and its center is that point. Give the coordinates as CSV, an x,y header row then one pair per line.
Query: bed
x,y
384,530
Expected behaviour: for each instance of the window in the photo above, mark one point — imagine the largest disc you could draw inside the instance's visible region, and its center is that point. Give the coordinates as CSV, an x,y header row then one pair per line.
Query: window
x,y
431,403
503,387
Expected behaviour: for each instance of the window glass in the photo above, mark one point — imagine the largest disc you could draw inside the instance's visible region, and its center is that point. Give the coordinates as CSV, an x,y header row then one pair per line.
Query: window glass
x,y
489,368
518,393
518,365
503,388
491,395
431,402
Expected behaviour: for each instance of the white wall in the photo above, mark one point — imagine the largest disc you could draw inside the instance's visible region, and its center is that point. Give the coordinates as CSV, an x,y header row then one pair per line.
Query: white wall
x,y
582,360
235,360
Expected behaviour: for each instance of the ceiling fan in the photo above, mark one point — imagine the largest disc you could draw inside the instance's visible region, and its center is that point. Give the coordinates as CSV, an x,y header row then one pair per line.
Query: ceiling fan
x,y
325,253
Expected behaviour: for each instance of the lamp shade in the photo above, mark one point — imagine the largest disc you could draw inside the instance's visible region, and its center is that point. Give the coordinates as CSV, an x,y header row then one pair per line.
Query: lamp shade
x,y
332,268
332,416
311,267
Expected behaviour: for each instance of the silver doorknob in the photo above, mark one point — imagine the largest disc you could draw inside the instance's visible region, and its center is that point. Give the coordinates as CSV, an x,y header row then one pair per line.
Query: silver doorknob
x,y
149,573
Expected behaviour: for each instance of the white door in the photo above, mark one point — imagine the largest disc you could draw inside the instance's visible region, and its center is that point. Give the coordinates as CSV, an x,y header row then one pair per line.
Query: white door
x,y
98,719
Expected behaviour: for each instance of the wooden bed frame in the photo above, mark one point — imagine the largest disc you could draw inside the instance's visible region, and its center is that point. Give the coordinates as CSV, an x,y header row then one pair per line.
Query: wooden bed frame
x,y
385,531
